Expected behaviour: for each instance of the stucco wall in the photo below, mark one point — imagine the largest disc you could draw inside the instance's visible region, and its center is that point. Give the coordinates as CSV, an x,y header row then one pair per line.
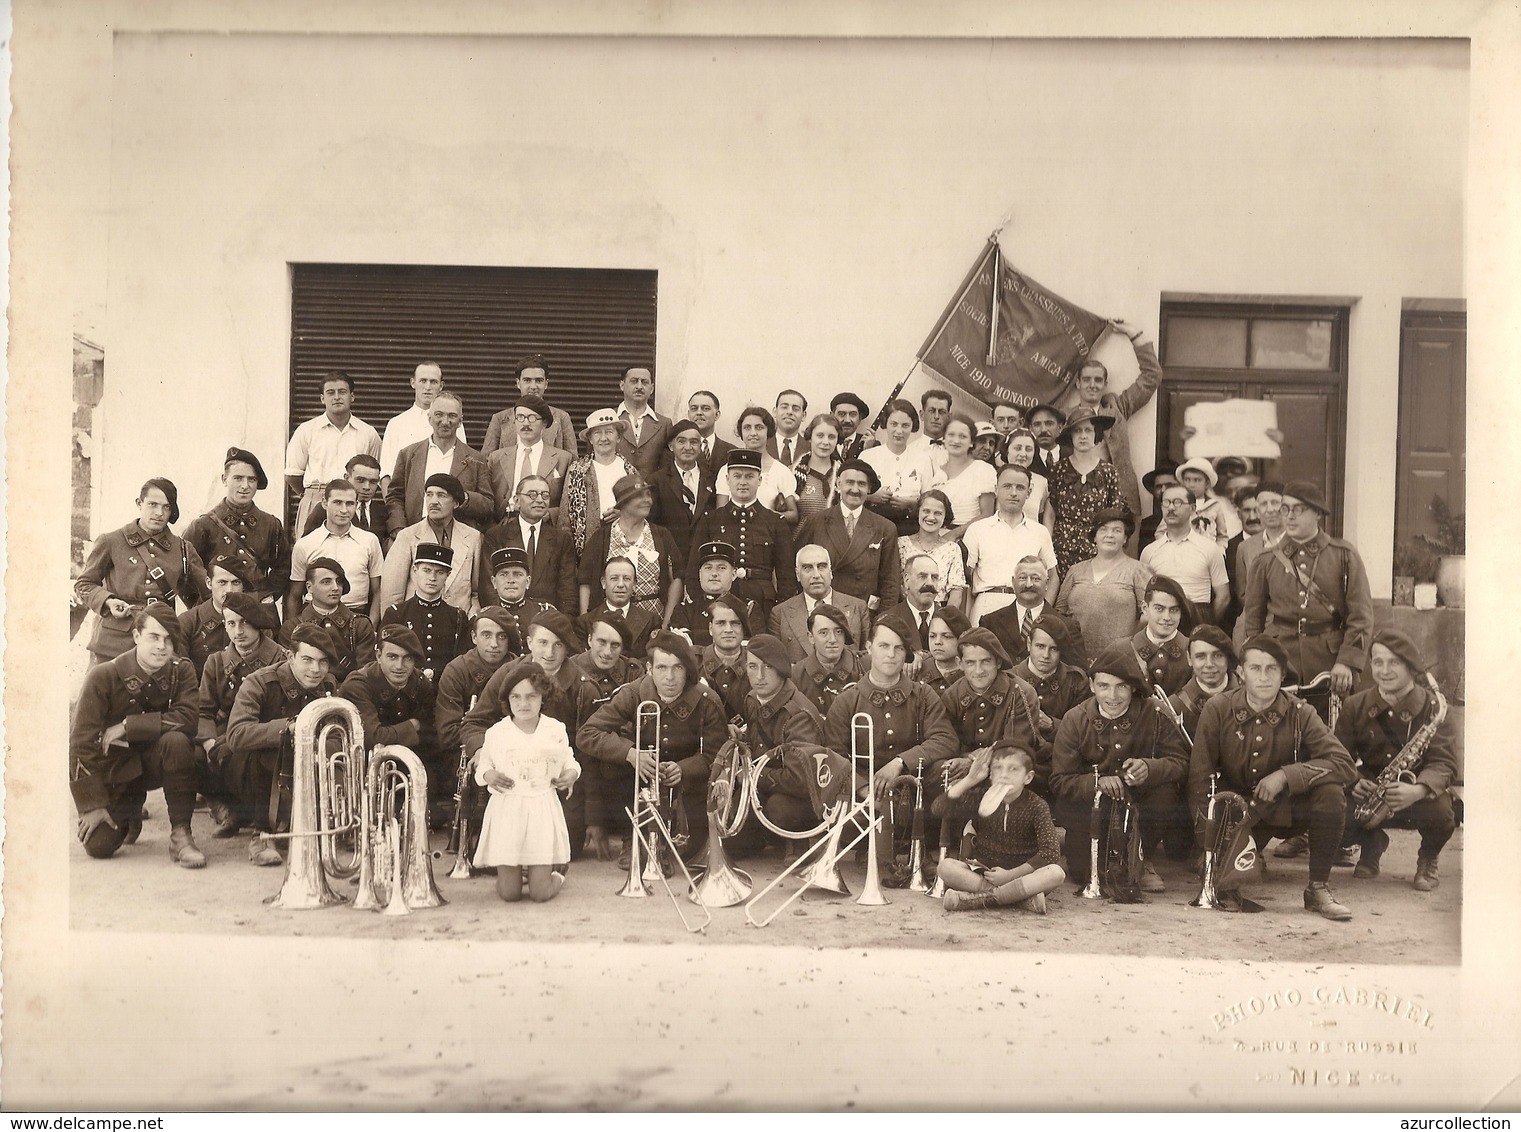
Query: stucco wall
x,y
808,205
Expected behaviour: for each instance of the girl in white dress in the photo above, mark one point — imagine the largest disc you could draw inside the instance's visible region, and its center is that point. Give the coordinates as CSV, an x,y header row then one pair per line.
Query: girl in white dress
x,y
525,758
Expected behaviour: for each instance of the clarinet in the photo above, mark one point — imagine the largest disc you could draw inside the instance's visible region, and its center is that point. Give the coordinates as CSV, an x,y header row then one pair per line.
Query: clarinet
x,y
459,829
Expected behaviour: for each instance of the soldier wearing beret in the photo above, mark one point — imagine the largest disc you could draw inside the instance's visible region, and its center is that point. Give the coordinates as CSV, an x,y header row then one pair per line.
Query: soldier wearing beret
x,y
202,625
259,730
940,663
762,540
722,662
1161,645
1315,590
715,579
131,733
1212,659
397,705
693,727
831,664
1122,738
601,670
512,581
142,563
236,528
1375,726
353,633
990,705
443,629
250,627
1060,685
1272,748
398,578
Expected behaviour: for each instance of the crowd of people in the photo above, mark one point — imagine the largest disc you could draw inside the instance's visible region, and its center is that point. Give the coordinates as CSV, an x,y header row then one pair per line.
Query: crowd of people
x,y
986,591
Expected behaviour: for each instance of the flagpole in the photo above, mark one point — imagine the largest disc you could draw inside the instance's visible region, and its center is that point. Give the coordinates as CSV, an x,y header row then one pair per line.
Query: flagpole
x,y
993,314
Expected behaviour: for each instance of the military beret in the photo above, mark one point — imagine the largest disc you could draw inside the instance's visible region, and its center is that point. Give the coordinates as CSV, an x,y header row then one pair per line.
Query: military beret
x,y
680,427
449,483
771,652
244,456
171,495
257,613
711,550
1120,661
831,613
679,647
848,399
329,564
1308,493
1170,586
505,556
1403,648
401,636
433,552
956,621
163,613
1270,645
1216,637
315,635
560,625
628,488
873,481
985,639
1273,486
898,623
497,616
615,622
234,566
536,404
735,606
743,458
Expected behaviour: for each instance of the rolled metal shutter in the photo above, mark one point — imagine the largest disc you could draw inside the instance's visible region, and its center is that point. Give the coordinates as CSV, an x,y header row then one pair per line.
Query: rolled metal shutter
x,y
378,321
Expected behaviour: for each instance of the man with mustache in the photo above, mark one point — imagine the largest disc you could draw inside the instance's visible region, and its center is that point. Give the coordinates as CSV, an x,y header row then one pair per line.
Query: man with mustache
x,y
1013,624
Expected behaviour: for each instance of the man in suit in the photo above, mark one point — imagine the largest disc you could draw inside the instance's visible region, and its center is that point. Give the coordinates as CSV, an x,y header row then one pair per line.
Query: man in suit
x,y
528,455
921,581
855,433
643,441
440,498
533,381
552,561
370,513
1013,624
683,489
862,545
703,411
790,411
617,595
440,453
789,620
1046,423
412,424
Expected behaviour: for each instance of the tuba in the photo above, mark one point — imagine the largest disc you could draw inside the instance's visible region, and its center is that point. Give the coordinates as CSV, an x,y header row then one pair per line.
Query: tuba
x,y
396,870
1374,811
722,885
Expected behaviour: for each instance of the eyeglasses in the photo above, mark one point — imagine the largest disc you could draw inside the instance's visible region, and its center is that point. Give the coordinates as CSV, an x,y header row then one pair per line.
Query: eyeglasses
x,y
1294,510
527,418
534,494
1174,504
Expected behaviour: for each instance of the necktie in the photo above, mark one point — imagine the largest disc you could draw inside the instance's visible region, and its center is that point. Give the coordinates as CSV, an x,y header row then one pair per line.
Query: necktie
x,y
533,543
787,452
527,468
689,489
1028,624
707,449
850,525
924,619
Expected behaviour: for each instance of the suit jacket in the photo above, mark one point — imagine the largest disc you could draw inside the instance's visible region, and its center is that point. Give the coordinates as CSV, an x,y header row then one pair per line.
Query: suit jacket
x,y
372,516
651,452
670,509
502,466
404,495
502,431
789,622
1005,624
459,590
552,573
866,565
799,448
711,464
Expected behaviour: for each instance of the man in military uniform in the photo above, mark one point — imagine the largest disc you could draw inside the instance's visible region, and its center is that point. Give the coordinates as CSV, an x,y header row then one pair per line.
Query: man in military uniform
x,y
617,599
1273,749
940,664
1212,658
763,567
131,734
1060,685
693,726
1123,740
715,579
987,706
250,627
235,527
600,671
722,663
202,624
1316,589
397,704
513,582
441,495
830,665
1375,726
353,633
443,629
259,729
1161,645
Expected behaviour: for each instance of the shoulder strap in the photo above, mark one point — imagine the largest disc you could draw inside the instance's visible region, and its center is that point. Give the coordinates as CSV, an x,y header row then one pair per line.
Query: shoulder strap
x,y
1308,581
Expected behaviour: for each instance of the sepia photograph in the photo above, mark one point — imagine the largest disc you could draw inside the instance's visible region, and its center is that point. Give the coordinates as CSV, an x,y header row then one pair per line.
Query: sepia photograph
x,y
759,561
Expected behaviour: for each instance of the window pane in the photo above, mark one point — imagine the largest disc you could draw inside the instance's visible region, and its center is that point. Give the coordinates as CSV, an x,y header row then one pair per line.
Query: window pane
x,y
1206,342
1283,343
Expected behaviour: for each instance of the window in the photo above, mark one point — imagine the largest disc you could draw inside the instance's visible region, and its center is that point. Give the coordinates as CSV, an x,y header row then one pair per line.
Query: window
x,y
1291,351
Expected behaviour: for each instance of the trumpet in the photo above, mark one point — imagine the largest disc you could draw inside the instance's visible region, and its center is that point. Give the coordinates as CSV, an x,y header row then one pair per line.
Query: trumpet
x,y
1093,890
937,890
647,824
1171,712
914,782
459,828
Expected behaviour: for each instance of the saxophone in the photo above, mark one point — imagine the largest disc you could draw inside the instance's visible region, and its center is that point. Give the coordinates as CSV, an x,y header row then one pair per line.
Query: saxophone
x,y
1374,810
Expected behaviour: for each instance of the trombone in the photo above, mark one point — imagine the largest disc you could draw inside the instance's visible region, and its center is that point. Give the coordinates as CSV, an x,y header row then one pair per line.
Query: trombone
x,y
825,869
647,829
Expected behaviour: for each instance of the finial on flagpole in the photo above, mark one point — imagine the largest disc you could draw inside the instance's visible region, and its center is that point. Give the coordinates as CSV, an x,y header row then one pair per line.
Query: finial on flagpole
x,y
1002,224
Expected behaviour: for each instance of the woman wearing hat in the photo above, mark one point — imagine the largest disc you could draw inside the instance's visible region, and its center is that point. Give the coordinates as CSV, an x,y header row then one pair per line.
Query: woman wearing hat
x,y
1082,485
905,469
630,534
139,565
1107,592
590,480
778,483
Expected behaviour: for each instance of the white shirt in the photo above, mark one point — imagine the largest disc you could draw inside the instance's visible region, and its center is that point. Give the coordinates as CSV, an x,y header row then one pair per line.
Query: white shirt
x,y
852,518
530,530
691,479
404,429
814,603
966,490
935,450
533,452
319,450
776,479
439,462
357,551
905,476
1196,563
606,476
994,548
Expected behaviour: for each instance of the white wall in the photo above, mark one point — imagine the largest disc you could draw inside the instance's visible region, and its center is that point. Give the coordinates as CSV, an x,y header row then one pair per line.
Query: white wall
x,y
809,205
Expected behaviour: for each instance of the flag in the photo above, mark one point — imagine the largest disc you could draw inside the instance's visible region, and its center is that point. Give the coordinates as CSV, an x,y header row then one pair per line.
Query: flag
x,y
1038,339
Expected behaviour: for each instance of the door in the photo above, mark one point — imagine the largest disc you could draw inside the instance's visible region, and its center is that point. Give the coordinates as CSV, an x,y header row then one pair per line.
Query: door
x,y
1432,454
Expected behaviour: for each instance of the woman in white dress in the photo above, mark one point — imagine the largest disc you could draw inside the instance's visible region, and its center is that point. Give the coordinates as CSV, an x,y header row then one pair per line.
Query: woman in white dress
x,y
905,469
525,758
778,486
967,482
1020,449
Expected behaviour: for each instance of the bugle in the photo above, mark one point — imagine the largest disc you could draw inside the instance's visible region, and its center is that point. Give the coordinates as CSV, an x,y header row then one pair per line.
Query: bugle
x,y
913,786
1224,814
460,834
1093,889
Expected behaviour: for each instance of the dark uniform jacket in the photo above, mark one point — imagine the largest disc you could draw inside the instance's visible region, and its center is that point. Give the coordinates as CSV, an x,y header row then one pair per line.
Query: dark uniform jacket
x,y
353,632
1190,699
266,705
1059,692
129,565
385,710
460,684
521,613
1374,731
765,571
1085,740
1166,665
822,687
787,718
1245,746
693,727
590,689
443,629
205,633
694,617
909,723
1328,623
255,538
730,681
149,706
223,675
931,676
492,706
1007,624
551,574
1009,711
